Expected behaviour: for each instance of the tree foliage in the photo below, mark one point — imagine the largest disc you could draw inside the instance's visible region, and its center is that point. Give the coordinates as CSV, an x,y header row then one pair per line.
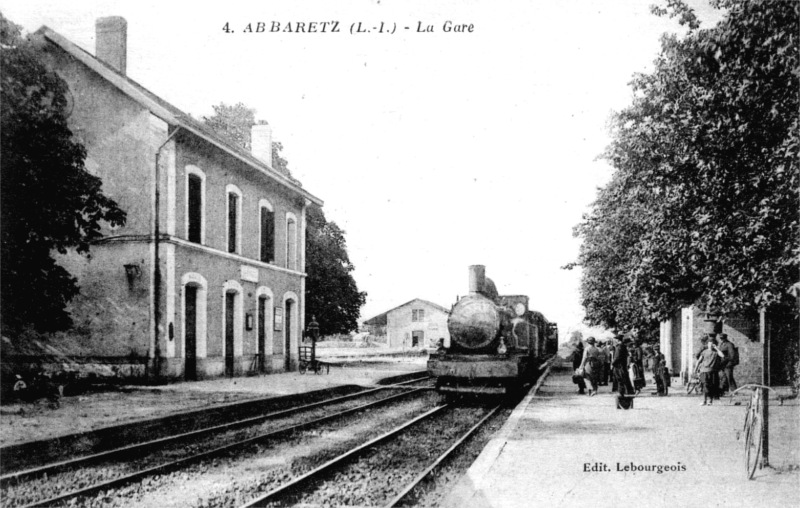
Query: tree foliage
x,y
234,122
48,202
703,204
332,297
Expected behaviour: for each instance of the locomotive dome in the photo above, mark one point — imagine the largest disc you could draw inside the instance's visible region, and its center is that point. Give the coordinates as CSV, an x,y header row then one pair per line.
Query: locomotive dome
x,y
474,322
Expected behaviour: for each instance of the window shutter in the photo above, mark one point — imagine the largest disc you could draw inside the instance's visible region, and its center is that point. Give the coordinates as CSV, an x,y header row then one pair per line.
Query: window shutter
x,y
195,208
232,206
267,235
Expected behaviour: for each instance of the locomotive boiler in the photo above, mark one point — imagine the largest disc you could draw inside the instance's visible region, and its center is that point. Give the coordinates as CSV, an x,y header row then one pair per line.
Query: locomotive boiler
x,y
496,342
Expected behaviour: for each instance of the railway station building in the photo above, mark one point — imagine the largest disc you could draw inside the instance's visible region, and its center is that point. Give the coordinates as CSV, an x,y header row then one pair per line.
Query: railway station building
x,y
415,324
207,277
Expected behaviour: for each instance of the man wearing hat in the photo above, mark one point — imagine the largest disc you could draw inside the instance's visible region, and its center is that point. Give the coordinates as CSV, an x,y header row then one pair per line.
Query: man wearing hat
x,y
620,366
659,364
577,359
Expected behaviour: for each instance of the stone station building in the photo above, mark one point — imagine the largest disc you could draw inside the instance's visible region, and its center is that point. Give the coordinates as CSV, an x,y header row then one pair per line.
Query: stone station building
x,y
207,277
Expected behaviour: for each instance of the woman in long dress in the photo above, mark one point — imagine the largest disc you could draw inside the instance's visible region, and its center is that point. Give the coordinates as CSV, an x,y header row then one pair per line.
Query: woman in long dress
x,y
592,365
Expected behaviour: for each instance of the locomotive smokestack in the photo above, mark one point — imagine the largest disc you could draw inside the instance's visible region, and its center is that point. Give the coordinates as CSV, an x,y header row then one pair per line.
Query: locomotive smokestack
x,y
477,278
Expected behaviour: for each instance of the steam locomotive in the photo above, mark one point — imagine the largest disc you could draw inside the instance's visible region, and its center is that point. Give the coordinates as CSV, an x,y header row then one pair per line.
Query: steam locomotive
x,y
496,342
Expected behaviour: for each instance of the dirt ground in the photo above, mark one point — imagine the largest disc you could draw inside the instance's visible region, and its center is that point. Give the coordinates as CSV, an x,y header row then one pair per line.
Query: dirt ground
x,y
20,422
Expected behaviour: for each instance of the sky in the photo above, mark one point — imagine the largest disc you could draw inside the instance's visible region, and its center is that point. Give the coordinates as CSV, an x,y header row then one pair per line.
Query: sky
x,y
433,150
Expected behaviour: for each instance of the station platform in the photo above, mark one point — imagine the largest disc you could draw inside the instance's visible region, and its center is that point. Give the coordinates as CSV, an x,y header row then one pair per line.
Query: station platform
x,y
561,449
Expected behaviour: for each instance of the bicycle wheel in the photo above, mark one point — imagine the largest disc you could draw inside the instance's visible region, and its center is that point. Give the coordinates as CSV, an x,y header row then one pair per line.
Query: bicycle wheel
x,y
757,401
747,413
752,446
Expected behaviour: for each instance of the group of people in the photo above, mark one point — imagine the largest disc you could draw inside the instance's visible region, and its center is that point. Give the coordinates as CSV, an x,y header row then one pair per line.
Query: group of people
x,y
715,364
621,361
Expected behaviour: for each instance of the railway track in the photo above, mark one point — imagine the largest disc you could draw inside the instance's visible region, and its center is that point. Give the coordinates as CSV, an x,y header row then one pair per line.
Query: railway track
x,y
50,484
387,470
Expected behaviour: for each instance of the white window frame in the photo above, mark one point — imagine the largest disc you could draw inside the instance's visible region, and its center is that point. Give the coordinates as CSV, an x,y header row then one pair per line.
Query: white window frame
x,y
291,242
263,203
232,189
194,170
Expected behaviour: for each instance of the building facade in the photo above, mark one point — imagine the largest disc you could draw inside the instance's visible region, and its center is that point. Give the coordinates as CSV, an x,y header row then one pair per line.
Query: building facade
x,y
414,324
207,277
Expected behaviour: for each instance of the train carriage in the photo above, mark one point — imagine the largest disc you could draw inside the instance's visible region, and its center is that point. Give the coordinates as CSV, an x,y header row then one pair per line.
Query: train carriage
x,y
496,342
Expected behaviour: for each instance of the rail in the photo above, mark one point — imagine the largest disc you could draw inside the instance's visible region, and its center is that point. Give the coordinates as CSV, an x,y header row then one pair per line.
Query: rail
x,y
403,496
171,465
300,481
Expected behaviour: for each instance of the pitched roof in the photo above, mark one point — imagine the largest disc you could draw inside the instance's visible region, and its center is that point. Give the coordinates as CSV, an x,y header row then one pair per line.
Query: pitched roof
x,y
169,113
380,319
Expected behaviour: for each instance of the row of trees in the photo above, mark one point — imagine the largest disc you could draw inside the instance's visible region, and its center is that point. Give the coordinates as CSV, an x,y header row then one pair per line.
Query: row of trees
x,y
50,203
702,207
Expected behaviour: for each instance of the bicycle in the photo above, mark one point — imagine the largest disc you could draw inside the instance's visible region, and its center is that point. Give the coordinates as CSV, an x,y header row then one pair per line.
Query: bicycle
x,y
693,385
752,429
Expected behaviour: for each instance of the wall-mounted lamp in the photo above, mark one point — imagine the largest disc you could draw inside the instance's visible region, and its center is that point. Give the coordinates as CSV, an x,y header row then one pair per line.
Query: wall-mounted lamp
x,y
714,322
248,321
133,272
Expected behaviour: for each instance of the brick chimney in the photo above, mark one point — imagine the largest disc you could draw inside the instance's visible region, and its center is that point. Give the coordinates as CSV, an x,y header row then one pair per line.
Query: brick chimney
x,y
111,44
261,143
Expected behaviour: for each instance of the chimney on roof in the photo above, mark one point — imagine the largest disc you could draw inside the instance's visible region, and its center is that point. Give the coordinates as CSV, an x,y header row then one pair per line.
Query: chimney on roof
x,y
261,143
111,44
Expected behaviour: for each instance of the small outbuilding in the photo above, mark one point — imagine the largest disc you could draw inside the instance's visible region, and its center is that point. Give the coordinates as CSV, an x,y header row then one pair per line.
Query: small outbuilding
x,y
414,324
681,335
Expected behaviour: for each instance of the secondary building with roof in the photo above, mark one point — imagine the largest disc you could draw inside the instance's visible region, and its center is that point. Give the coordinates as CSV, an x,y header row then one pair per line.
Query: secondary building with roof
x,y
207,277
416,323
757,336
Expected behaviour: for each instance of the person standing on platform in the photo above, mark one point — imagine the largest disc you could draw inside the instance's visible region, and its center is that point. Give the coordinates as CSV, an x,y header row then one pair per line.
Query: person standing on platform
x,y
603,364
703,345
710,360
666,378
609,348
620,367
591,365
659,364
577,359
731,360
637,364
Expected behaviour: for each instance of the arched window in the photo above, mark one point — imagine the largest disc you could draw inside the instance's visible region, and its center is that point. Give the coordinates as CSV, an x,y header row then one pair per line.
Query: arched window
x,y
233,210
266,231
